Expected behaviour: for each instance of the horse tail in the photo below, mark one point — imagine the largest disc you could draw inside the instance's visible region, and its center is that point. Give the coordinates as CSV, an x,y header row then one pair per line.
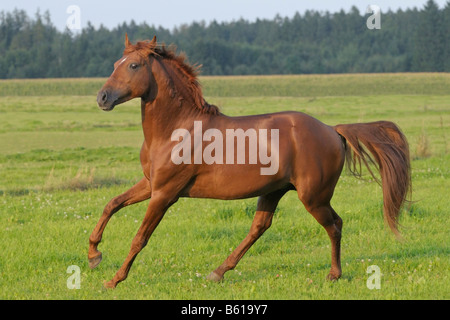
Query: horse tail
x,y
389,153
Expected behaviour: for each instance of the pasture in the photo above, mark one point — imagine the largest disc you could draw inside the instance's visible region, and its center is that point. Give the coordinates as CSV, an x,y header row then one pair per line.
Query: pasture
x,y
62,159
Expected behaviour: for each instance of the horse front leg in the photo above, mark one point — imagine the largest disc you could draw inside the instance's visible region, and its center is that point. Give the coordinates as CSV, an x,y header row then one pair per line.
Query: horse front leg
x,y
156,209
139,192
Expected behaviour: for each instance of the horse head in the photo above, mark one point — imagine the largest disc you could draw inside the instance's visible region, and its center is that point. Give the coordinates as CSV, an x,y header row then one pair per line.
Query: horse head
x,y
132,75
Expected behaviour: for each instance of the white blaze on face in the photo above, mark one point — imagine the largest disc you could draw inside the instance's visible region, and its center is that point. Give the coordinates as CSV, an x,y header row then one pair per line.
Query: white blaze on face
x,y
123,60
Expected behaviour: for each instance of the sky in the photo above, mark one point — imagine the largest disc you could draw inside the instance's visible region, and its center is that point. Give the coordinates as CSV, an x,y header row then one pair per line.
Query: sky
x,y
174,13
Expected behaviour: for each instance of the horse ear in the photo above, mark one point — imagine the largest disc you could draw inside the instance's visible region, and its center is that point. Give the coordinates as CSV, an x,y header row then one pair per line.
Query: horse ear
x,y
153,42
127,42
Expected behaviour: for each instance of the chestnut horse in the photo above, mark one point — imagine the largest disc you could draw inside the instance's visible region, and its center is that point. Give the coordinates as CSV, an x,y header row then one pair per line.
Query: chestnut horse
x,y
307,155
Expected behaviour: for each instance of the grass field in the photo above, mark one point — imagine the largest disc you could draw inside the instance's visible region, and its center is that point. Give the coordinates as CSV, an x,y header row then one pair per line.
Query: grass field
x,y
62,159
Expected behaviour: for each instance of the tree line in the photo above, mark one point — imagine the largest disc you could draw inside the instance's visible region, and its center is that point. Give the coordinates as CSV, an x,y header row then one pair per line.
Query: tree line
x,y
411,40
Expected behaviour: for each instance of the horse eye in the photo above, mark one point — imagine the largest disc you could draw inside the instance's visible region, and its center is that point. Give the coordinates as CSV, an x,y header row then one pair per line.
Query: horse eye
x,y
134,66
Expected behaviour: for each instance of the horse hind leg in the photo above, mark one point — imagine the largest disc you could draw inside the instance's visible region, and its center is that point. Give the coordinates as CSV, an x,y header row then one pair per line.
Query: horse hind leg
x,y
261,222
332,223
315,191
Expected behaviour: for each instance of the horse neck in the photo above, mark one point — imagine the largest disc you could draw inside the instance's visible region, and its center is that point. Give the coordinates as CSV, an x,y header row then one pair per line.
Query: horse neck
x,y
174,106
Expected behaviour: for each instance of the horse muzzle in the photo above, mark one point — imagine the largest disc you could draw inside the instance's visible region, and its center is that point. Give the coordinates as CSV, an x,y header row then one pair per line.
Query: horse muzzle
x,y
106,100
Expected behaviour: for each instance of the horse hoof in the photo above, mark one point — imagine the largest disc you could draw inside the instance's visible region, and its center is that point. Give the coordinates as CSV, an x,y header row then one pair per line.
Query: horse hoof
x,y
214,277
109,285
94,262
333,277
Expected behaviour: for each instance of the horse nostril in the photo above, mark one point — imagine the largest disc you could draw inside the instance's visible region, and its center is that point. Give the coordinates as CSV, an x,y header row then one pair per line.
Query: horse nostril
x,y
104,96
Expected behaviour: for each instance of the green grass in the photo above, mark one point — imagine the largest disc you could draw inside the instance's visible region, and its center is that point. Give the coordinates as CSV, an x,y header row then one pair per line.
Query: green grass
x,y
62,159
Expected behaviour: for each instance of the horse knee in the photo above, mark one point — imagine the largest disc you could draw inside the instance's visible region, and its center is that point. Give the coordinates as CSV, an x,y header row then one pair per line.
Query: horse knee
x,y
260,226
257,231
138,244
114,205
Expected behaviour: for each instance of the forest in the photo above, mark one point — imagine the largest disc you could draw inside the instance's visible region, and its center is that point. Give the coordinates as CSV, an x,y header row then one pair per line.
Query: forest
x,y
411,40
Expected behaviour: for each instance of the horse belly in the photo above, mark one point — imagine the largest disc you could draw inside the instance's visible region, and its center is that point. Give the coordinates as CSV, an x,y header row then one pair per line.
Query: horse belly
x,y
239,182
